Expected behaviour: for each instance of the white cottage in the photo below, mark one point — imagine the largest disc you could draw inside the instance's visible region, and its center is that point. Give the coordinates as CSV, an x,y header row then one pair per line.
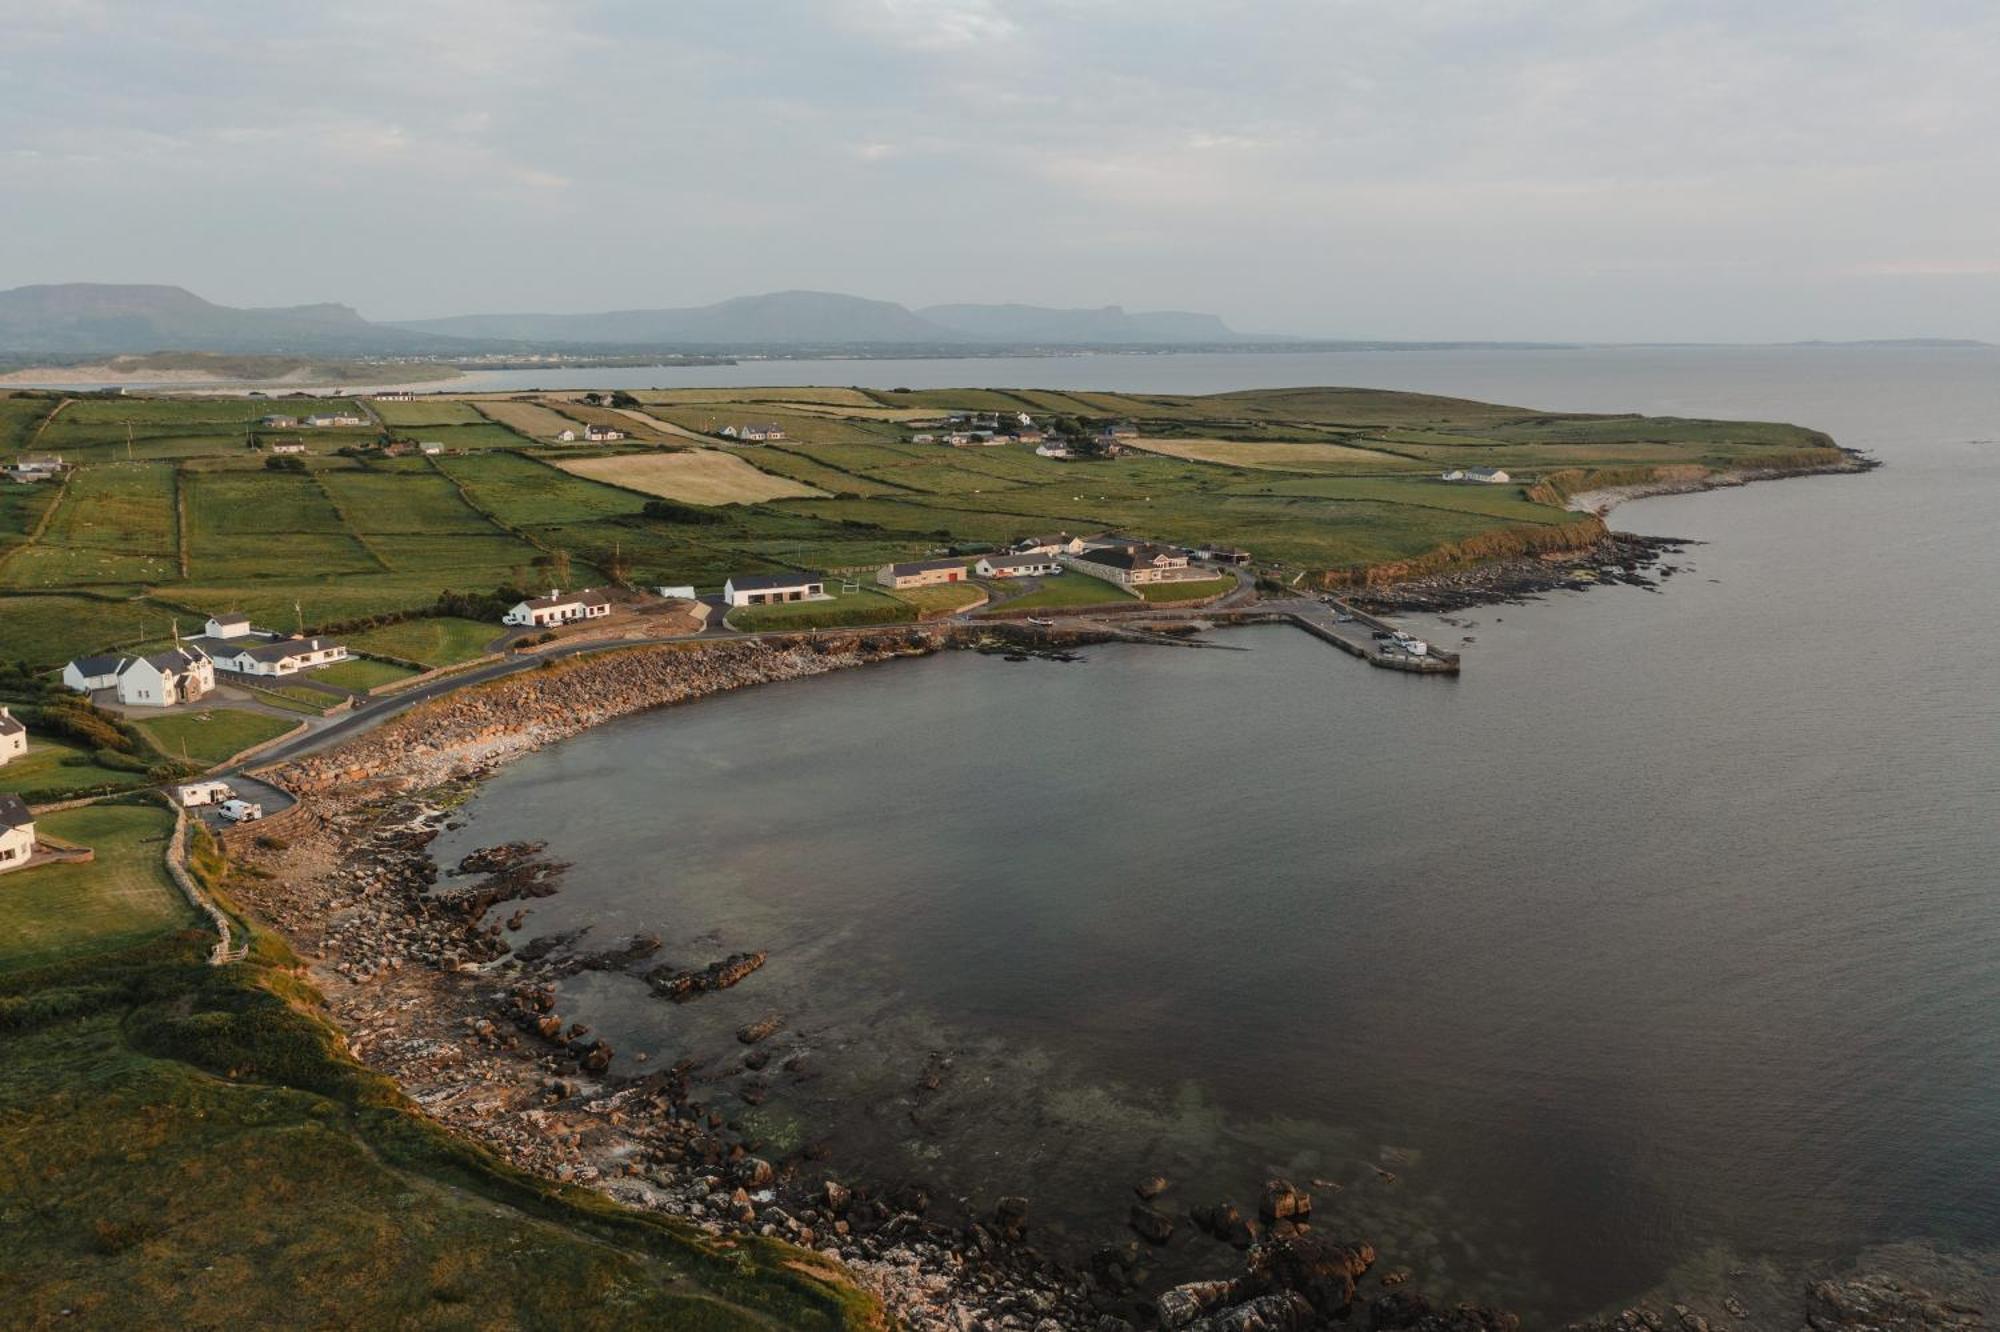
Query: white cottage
x,y
227,624
555,608
17,832
87,675
287,656
13,737
768,589
1018,566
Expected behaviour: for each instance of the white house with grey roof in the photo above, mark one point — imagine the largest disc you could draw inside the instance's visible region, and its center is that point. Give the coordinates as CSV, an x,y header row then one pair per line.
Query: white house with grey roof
x,y
770,589
17,832
13,737
178,675
227,624
286,656
1018,566
555,608
87,675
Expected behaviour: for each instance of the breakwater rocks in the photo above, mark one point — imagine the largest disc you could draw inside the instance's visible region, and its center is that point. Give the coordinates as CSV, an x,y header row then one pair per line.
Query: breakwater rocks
x,y
477,729
1618,557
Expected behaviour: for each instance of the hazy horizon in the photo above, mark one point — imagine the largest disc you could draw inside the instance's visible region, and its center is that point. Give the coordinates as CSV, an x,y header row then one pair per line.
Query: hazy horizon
x,y
1426,171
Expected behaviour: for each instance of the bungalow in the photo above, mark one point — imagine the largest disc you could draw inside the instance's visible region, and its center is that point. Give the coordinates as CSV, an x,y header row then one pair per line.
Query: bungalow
x,y
555,608
87,675
923,439
921,573
17,832
1018,566
768,589
1130,565
178,675
565,436
1055,543
958,439
35,467
287,656
757,432
1491,476
598,434
396,395
1053,449
288,446
430,448
278,421
679,592
13,737
325,420
229,624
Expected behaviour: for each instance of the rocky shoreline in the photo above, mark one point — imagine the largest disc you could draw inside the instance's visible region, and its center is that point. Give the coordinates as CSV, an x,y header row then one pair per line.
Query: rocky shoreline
x,y
420,970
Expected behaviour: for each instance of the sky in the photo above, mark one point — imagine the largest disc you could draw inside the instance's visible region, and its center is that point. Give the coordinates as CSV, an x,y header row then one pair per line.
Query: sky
x,y
1615,170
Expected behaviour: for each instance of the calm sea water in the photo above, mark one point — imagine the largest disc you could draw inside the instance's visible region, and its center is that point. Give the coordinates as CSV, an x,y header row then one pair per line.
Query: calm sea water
x,y
1669,927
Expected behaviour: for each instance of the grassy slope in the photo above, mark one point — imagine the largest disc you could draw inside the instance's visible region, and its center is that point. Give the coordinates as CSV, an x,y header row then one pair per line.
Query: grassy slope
x,y
52,769
355,539
431,641
185,1145
207,736
55,912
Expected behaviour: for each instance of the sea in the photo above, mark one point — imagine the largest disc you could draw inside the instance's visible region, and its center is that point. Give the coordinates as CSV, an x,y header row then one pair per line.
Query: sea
x,y
1665,936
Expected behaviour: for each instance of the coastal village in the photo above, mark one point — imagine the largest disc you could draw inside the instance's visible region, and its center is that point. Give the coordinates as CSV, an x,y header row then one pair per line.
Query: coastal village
x,y
263,666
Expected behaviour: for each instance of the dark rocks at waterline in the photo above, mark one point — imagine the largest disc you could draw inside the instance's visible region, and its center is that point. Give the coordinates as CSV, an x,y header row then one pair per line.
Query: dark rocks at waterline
x,y
1150,1223
715,976
493,859
1284,1201
1150,1187
1321,1269
762,1029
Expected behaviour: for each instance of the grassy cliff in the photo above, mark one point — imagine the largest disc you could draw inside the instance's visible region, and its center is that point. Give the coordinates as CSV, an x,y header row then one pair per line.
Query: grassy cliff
x,y
186,1145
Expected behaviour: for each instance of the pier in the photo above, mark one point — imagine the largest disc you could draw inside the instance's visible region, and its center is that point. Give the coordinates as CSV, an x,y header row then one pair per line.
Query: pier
x,y
1352,631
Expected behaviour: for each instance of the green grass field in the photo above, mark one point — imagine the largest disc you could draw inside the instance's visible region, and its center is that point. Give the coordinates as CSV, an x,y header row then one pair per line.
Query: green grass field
x,y
870,605
433,641
56,769
1068,589
52,912
48,631
189,1146
1310,480
1200,589
361,674
207,736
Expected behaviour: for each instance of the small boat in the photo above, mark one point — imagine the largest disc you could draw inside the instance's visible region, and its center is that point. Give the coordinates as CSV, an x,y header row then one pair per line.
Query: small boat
x,y
1037,620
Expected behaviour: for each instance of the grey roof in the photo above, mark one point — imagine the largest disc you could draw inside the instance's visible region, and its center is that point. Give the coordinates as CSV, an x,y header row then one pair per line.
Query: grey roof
x,y
109,664
1015,561
10,725
765,582
288,647
924,566
175,659
230,617
14,813
1126,557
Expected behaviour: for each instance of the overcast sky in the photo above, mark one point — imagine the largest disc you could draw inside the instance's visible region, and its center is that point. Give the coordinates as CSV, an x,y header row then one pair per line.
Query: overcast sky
x,y
1588,169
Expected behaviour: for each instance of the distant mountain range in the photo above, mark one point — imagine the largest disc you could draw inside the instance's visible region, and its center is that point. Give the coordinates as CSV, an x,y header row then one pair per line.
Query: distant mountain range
x,y
93,318
102,319
822,318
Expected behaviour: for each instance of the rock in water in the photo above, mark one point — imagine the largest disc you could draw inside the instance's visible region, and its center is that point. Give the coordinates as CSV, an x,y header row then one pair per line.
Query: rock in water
x,y
1321,1269
1283,1201
1153,1225
763,1027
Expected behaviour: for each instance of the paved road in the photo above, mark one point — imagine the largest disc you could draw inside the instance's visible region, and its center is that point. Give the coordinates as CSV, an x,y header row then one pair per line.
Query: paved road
x,y
372,712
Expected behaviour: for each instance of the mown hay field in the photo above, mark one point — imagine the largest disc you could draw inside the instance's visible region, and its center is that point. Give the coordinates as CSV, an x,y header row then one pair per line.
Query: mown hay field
x,y
695,476
428,412
1283,457
530,419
